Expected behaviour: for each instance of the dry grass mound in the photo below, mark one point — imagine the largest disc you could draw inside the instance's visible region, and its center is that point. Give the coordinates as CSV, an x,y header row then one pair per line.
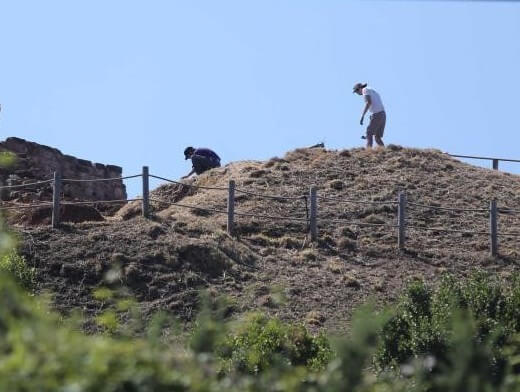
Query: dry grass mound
x,y
182,249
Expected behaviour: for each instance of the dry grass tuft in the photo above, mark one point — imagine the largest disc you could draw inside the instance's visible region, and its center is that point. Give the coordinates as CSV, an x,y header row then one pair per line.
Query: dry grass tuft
x,y
315,318
290,242
337,185
336,266
309,255
347,244
258,173
350,280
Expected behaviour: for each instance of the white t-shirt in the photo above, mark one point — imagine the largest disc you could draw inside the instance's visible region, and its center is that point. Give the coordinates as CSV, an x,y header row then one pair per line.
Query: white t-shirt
x,y
377,104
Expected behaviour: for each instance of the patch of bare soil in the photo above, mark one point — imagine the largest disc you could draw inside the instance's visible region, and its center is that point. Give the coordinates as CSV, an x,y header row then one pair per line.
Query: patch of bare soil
x,y
271,264
42,216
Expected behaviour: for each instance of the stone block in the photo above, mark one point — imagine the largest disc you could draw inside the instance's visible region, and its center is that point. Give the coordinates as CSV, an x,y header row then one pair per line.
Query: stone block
x,y
16,145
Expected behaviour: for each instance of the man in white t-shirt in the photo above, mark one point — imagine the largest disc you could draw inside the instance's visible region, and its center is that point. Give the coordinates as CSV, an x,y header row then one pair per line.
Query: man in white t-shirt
x,y
374,105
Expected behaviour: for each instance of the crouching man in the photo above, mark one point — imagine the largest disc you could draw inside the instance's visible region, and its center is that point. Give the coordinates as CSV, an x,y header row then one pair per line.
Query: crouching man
x,y
202,159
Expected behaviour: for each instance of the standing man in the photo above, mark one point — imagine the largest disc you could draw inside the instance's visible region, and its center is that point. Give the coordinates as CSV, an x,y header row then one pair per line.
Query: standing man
x,y
202,159
373,103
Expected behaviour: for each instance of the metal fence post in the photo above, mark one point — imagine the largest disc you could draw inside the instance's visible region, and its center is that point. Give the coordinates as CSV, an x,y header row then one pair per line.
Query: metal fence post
x,y
493,227
401,220
495,164
146,192
56,192
231,207
314,214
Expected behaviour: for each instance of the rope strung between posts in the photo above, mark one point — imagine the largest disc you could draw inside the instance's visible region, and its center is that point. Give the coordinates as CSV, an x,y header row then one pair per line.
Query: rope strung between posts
x,y
508,211
355,223
25,185
225,212
461,231
445,223
71,203
272,217
25,206
188,206
188,185
448,209
515,235
275,197
99,179
336,199
446,230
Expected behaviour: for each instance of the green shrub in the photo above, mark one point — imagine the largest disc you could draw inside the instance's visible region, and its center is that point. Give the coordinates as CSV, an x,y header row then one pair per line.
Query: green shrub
x,y
261,343
16,265
40,352
427,323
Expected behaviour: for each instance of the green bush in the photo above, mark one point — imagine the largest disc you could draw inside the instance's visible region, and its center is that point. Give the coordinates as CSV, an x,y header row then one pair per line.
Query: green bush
x,y
40,352
16,265
465,327
261,342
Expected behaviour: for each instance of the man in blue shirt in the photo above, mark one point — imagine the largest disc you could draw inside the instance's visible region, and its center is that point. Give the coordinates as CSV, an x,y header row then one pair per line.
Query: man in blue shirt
x,y
202,160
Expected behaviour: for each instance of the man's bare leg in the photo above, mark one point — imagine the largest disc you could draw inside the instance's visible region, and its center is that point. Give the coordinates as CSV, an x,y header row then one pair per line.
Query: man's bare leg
x,y
379,141
370,140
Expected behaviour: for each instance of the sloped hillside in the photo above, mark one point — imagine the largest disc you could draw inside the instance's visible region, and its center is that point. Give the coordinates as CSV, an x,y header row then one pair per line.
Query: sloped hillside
x,y
270,264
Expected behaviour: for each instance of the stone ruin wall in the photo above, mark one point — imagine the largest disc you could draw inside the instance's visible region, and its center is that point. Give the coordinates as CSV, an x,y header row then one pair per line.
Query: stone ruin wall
x,y
36,162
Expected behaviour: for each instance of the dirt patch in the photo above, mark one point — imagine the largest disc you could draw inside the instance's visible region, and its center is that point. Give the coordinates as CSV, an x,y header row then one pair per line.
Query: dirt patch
x,y
42,216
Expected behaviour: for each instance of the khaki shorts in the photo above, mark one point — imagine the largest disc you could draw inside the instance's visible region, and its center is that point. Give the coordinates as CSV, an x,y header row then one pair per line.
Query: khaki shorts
x,y
377,124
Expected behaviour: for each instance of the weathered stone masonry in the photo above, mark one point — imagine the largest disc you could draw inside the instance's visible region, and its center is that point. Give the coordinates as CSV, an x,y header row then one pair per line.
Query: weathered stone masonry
x,y
38,162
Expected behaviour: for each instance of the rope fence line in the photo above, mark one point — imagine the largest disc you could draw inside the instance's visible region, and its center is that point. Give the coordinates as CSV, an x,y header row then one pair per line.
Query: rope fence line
x,y
461,231
356,223
440,229
336,199
188,185
290,218
188,206
494,160
26,185
448,208
99,179
508,211
275,197
225,211
23,206
311,213
451,224
72,203
509,235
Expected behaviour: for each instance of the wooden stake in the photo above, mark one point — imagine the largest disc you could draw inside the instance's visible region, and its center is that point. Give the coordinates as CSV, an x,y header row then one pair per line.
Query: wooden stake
x,y
231,207
146,193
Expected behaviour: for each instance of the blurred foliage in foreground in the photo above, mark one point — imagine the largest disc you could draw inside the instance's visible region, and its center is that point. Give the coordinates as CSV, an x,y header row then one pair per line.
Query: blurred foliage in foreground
x,y
16,265
462,336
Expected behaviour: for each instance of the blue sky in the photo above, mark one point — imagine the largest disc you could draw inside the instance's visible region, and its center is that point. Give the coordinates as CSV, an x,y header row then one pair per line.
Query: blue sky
x,y
133,83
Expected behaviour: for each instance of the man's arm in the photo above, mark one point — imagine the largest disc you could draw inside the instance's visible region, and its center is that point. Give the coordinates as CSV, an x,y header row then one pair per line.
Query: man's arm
x,y
368,101
189,174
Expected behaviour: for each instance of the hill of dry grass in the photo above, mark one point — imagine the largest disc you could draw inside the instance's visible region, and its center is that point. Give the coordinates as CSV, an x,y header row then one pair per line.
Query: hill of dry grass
x,y
270,264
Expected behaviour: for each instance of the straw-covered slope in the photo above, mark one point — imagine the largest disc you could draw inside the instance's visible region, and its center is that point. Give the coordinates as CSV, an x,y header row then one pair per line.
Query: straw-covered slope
x,y
270,264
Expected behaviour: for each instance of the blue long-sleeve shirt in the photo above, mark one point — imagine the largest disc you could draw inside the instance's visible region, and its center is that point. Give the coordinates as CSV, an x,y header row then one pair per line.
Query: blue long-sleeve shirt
x,y
206,152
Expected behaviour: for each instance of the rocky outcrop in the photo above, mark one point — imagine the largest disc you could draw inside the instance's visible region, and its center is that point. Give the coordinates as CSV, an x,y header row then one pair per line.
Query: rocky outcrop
x,y
36,162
